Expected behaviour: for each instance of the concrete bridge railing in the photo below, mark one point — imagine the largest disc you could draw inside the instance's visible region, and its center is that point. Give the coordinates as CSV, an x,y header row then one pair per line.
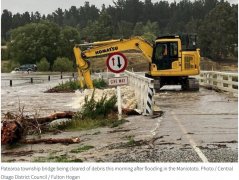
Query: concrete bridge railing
x,y
220,80
144,91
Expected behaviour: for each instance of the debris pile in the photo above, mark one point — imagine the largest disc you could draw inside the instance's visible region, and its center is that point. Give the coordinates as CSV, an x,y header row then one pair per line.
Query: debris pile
x,y
127,94
52,141
14,128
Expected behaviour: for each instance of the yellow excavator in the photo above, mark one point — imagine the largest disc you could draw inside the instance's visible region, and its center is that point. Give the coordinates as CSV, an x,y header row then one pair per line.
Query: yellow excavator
x,y
172,59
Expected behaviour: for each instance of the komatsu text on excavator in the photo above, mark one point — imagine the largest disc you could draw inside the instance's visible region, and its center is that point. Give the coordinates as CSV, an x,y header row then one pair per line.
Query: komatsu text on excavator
x,y
172,59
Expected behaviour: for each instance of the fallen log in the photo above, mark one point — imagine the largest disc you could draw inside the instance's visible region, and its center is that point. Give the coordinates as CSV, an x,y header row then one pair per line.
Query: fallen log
x,y
11,132
52,117
15,127
51,141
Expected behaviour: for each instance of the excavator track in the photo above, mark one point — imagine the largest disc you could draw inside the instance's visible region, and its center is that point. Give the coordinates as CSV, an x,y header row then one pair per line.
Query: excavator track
x,y
190,84
187,83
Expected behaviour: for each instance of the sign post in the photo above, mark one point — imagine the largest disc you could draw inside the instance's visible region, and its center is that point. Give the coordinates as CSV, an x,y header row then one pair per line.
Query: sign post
x,y
117,63
119,99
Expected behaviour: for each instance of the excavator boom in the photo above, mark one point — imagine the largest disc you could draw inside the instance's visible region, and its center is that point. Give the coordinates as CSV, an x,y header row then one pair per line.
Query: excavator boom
x,y
107,47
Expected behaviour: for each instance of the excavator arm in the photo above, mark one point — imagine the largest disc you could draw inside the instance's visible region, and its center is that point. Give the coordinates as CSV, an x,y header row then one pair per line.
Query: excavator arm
x,y
107,47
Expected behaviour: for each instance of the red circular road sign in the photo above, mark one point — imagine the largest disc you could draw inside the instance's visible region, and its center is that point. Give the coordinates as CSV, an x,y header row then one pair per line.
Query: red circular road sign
x,y
116,62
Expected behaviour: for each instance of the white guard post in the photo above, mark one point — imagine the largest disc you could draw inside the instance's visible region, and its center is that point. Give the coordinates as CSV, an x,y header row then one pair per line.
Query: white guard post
x,y
119,100
144,92
149,103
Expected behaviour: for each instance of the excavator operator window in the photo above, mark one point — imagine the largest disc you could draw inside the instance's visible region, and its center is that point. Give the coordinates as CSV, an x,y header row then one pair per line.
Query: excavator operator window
x,y
164,54
161,51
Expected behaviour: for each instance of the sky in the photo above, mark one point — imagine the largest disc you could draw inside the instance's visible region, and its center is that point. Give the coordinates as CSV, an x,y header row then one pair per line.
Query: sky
x,y
49,6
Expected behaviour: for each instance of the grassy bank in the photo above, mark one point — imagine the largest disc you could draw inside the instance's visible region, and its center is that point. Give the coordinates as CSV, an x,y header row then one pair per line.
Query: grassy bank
x,y
95,114
71,86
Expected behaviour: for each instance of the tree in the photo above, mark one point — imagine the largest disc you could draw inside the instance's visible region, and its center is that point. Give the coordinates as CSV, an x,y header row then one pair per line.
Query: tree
x,y
36,17
58,17
149,36
148,10
132,11
87,13
63,65
105,29
181,14
72,17
218,32
125,29
192,26
16,20
198,9
90,32
69,36
5,54
163,12
151,27
25,18
150,31
98,30
43,65
35,41
138,29
116,15
209,5
6,23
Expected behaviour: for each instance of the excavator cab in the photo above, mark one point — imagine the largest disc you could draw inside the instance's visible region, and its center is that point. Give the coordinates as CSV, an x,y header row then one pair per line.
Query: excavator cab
x,y
174,59
164,54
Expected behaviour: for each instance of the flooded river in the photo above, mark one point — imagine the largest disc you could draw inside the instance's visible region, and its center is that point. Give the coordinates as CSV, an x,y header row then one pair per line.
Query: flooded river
x,y
32,96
